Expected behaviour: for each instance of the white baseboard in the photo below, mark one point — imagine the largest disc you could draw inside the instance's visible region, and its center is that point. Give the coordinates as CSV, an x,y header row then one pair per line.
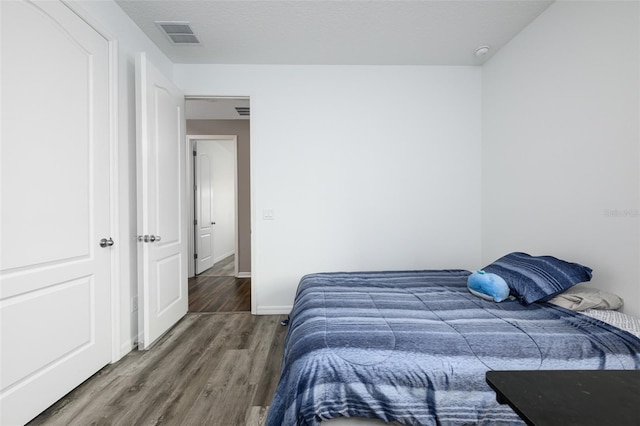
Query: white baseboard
x,y
274,310
243,275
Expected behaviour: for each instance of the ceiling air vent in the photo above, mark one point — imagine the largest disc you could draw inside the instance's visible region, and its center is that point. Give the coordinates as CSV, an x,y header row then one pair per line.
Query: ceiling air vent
x,y
244,111
178,32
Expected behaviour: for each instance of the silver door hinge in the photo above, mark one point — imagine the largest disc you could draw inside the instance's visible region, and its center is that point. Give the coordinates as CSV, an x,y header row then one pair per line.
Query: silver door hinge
x,y
195,256
195,153
195,221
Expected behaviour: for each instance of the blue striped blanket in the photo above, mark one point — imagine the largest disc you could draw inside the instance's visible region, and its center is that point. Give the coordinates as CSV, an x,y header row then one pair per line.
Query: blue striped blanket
x,y
414,347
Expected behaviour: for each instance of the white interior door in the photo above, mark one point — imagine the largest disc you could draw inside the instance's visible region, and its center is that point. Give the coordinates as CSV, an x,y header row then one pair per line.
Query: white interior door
x,y
205,224
162,228
224,197
55,278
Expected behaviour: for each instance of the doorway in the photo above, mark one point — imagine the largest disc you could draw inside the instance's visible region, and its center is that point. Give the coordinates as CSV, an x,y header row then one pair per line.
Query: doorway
x,y
215,205
219,250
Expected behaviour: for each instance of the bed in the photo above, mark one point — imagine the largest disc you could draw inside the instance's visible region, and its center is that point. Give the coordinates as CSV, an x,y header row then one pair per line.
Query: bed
x,y
413,347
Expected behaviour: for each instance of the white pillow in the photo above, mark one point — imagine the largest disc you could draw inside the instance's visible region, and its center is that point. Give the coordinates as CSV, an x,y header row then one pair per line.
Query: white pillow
x,y
581,298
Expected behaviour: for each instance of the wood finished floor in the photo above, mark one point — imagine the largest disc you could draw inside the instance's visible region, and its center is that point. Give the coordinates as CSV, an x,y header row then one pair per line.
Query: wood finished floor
x,y
217,290
210,369
219,294
224,268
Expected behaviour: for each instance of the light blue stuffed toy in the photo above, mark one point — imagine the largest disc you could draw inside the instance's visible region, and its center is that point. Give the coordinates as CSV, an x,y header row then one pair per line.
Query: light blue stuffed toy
x,y
488,286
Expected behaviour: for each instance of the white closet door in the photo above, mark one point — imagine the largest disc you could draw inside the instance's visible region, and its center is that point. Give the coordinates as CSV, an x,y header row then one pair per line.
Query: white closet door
x,y
55,284
162,226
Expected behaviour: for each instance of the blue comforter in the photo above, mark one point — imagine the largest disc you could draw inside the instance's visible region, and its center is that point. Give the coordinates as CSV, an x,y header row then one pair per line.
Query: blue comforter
x,y
414,347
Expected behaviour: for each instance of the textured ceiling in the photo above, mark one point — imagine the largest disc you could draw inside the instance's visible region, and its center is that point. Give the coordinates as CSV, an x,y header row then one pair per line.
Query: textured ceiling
x,y
332,32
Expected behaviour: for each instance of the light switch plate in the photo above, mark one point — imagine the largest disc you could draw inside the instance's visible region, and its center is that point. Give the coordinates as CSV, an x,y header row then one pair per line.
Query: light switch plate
x,y
267,214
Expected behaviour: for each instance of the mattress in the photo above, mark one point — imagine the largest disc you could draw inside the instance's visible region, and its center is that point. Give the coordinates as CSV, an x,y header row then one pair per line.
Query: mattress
x,y
413,347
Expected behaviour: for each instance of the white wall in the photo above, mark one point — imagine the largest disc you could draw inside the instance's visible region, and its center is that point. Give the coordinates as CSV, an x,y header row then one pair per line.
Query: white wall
x,y
364,167
560,132
113,23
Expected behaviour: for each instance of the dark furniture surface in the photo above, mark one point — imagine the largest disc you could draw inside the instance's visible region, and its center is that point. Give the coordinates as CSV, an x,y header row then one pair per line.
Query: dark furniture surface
x,y
570,397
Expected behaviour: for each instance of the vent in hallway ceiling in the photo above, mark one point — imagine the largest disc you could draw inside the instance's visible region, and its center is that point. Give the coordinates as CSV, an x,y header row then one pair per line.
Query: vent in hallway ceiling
x,y
244,111
178,32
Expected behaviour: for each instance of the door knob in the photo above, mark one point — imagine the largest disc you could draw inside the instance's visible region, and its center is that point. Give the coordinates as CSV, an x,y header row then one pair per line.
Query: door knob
x,y
106,243
148,238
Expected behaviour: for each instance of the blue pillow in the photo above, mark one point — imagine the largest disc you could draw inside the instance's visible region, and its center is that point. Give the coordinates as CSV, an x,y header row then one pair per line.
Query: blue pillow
x,y
538,278
488,286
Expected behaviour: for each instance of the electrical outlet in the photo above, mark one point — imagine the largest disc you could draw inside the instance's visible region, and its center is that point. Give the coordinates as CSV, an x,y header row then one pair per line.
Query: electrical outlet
x,y
134,304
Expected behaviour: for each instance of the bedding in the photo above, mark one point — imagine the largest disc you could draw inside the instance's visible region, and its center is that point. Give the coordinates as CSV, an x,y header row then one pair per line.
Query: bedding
x,y
537,278
414,346
581,298
623,321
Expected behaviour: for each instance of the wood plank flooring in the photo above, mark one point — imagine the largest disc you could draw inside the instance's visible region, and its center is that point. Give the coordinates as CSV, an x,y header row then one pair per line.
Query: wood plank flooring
x,y
210,369
217,290
224,268
219,294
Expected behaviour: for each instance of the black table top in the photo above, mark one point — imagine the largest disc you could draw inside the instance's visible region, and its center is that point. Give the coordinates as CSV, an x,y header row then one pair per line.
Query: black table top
x,y
570,397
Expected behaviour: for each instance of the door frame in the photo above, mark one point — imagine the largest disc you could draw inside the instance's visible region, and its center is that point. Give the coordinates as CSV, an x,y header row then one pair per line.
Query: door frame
x,y
191,140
